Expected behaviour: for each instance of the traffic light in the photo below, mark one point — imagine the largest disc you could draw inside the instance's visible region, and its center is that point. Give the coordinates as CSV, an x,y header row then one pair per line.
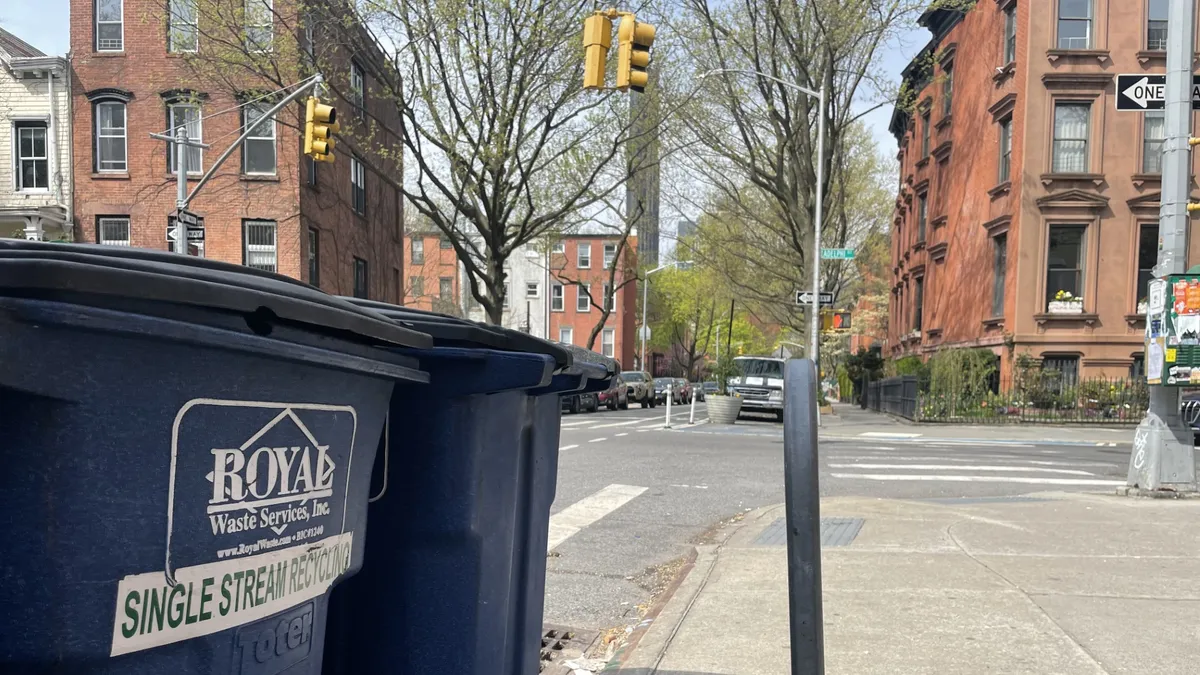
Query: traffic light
x,y
597,38
835,321
634,40
320,123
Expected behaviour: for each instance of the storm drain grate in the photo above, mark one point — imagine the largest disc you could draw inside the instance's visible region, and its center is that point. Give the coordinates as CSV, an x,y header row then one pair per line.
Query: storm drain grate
x,y
560,643
984,500
834,532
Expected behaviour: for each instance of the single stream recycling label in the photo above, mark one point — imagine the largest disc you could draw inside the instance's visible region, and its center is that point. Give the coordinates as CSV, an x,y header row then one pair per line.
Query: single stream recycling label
x,y
256,520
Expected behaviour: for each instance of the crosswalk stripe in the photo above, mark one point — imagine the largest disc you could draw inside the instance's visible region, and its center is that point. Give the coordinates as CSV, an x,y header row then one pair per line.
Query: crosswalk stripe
x,y
958,467
969,461
617,424
952,478
568,522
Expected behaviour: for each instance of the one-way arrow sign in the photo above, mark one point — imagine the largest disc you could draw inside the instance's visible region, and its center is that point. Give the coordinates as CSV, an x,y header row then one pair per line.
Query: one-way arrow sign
x,y
804,298
1149,92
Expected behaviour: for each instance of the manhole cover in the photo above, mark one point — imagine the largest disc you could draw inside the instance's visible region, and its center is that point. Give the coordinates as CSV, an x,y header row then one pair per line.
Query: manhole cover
x,y
560,644
834,532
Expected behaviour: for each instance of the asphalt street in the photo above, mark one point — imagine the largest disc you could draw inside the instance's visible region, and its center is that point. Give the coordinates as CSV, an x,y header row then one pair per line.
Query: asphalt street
x,y
633,498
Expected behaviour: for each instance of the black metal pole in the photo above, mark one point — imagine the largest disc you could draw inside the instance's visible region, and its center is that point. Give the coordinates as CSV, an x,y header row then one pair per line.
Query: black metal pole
x,y
803,496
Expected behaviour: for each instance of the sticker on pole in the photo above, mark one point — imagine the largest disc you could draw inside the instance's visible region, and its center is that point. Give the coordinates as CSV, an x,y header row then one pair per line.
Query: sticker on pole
x,y
256,519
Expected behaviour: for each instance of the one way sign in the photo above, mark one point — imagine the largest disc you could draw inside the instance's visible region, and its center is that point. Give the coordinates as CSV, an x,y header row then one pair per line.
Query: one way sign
x,y
1149,92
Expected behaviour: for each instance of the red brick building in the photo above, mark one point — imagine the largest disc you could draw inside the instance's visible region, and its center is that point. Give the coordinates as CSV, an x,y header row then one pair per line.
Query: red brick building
x,y
579,274
337,226
1019,180
433,271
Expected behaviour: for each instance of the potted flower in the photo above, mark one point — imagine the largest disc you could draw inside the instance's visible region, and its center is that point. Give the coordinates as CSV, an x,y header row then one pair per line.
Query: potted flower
x,y
1065,302
1142,306
723,408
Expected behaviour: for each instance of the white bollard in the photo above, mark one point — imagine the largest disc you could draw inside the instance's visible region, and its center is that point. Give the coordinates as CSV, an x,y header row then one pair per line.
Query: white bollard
x,y
667,425
692,412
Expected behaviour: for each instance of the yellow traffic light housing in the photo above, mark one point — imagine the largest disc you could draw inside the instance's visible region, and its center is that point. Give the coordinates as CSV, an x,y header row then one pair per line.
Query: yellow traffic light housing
x,y
835,321
597,38
320,123
634,40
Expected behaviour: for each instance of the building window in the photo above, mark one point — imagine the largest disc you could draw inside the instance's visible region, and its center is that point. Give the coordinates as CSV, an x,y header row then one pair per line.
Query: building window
x,y
1147,259
444,243
186,115
925,135
584,256
1137,369
258,150
566,336
416,286
607,337
918,302
556,297
110,137
506,293
1156,26
182,30
1064,261
999,272
446,288
1005,149
1154,132
1074,24
583,298
1010,33
112,230
358,89
360,278
358,186
1071,122
558,247
533,290
259,240
110,25
1067,369
33,171
610,255
314,257
418,251
260,26
922,215
310,33
947,90
609,297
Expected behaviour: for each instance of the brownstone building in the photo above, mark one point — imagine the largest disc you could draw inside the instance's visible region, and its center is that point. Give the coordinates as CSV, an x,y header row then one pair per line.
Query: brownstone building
x,y
431,264
1027,214
337,226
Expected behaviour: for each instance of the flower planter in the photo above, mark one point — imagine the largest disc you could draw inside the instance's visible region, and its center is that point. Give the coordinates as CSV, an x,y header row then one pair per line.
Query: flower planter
x,y
723,409
1065,307
1142,307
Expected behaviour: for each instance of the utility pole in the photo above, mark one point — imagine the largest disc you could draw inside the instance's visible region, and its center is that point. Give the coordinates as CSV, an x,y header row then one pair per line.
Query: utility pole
x,y
1162,454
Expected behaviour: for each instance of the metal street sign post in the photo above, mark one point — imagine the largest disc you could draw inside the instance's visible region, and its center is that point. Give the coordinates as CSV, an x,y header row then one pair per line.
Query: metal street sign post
x,y
1141,92
806,298
837,254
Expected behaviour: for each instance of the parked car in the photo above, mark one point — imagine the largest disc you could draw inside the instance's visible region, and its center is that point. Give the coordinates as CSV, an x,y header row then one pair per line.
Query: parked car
x,y
682,390
699,388
616,396
574,403
660,389
759,385
639,387
711,388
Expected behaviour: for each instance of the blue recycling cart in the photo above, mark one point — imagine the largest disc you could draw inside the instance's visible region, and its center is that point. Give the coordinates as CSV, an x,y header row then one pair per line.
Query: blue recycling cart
x,y
454,578
187,448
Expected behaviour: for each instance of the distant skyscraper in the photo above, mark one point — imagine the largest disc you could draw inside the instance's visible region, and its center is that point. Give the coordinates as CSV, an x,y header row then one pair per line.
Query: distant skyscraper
x,y
642,188
685,228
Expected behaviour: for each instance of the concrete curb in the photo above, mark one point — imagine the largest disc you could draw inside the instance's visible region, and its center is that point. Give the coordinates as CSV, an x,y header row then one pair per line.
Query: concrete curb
x,y
653,636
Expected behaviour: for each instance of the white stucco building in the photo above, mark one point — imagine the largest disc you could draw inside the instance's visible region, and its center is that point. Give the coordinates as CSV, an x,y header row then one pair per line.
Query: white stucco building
x,y
528,281
35,143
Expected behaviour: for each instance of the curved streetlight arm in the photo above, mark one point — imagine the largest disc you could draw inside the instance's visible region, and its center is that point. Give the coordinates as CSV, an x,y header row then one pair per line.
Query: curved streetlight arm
x,y
755,73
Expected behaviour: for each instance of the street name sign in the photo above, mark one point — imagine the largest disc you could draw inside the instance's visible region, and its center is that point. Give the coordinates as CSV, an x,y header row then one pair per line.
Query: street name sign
x,y
187,217
1149,92
806,298
837,254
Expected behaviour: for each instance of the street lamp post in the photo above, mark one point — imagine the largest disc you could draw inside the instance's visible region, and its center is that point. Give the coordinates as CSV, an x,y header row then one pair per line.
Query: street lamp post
x,y
645,299
820,210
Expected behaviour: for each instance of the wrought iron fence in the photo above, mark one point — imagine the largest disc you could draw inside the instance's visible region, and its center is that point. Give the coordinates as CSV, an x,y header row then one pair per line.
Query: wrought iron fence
x,y
1045,400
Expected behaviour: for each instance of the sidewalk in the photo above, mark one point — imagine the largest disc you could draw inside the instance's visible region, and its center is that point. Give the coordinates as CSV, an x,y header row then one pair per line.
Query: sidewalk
x,y
851,421
1050,583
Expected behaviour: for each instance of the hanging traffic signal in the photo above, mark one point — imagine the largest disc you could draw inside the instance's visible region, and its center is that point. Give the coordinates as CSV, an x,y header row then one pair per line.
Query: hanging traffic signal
x,y
597,38
634,40
320,123
835,321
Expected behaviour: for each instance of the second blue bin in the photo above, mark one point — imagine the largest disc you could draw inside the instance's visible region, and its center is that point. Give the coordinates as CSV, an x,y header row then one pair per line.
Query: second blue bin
x,y
455,580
